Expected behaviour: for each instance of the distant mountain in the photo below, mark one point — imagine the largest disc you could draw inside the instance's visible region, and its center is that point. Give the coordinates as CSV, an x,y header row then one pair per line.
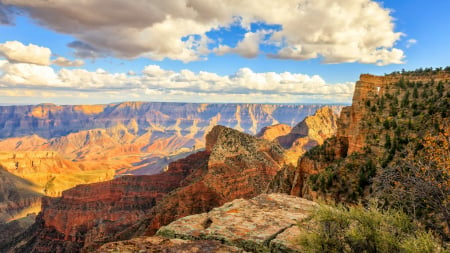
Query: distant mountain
x,y
133,137
184,119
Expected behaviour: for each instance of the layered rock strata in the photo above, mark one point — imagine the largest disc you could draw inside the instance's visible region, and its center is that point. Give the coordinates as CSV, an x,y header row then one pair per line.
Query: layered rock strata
x,y
234,165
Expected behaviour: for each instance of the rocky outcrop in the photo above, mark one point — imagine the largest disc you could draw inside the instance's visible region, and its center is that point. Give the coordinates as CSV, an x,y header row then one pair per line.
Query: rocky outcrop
x,y
167,245
239,166
310,132
368,89
234,165
266,223
383,107
350,137
273,132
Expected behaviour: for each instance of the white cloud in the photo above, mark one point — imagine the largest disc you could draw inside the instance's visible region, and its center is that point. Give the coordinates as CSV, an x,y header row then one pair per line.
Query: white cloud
x,y
24,74
337,31
15,51
248,47
410,43
64,62
185,85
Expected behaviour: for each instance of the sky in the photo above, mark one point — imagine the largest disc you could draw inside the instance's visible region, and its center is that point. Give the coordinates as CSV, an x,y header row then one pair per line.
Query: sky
x,y
211,51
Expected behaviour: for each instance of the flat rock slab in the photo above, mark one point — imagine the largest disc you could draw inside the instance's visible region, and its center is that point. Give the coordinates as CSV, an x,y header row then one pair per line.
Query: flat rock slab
x,y
166,245
262,224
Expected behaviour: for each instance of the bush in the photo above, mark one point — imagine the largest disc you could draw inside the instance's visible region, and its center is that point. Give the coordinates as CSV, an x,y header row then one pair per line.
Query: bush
x,y
356,229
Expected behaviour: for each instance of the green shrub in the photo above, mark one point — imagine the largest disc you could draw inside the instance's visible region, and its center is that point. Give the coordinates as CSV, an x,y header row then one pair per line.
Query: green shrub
x,y
356,229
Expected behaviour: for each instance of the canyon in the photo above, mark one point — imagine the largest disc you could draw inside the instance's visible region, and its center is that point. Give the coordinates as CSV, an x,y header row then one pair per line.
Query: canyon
x,y
396,121
232,165
129,138
57,147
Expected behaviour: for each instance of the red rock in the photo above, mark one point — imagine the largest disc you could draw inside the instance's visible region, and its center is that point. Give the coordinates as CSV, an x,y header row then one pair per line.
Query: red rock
x,y
235,165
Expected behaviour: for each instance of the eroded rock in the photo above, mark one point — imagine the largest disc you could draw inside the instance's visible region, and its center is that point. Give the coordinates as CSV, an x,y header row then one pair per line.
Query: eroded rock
x,y
265,223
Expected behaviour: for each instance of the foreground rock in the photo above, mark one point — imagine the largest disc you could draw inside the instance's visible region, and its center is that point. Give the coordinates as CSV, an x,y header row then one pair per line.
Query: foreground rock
x,y
162,244
262,224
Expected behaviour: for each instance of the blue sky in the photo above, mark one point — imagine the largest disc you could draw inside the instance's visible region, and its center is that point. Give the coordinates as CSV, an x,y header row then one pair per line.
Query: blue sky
x,y
292,51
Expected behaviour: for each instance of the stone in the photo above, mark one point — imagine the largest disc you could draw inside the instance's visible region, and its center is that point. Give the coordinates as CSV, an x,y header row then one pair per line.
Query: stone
x,y
166,245
266,223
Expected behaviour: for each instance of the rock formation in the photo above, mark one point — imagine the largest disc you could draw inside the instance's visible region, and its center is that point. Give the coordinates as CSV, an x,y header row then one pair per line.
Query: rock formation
x,y
58,147
167,245
310,132
234,165
18,197
266,223
379,128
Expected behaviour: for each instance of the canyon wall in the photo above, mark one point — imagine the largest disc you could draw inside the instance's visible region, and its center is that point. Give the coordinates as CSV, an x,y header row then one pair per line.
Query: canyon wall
x,y
234,165
388,120
49,120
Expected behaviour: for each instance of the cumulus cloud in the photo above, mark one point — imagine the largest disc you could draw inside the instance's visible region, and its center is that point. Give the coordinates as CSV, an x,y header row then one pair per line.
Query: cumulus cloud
x,y
15,51
336,31
64,62
185,85
248,47
23,74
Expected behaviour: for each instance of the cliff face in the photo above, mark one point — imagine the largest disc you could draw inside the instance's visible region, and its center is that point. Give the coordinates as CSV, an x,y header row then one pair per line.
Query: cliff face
x,y
310,132
368,90
384,129
49,120
18,197
239,166
93,213
233,165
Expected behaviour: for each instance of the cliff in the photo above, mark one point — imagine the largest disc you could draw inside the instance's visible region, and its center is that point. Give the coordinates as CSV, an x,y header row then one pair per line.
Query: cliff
x,y
239,166
310,132
391,145
18,197
234,165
